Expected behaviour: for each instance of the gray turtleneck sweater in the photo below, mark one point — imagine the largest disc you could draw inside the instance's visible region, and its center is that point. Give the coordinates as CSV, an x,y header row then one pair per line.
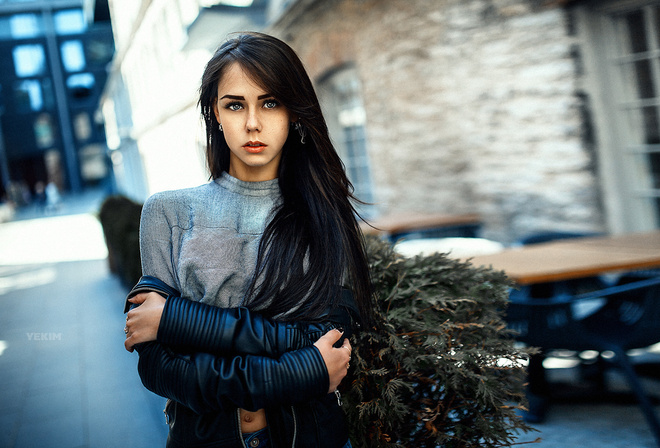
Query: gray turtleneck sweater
x,y
204,240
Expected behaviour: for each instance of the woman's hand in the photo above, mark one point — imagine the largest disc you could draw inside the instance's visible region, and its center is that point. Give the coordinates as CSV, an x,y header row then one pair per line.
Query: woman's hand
x,y
336,359
142,321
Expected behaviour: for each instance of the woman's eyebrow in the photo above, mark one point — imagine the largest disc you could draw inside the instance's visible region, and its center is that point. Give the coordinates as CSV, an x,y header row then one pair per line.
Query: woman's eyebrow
x,y
238,97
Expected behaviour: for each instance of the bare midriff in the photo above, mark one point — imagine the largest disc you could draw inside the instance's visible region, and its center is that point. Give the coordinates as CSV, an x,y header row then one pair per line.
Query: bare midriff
x,y
253,421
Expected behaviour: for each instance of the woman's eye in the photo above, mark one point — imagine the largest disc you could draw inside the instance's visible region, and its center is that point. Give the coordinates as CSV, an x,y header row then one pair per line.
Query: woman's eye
x,y
233,106
270,104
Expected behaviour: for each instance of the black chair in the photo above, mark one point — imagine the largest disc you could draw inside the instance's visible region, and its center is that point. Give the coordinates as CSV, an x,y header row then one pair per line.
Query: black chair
x,y
537,389
615,319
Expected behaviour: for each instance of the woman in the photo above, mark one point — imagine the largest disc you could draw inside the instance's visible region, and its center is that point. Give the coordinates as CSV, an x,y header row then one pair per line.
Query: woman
x,y
248,269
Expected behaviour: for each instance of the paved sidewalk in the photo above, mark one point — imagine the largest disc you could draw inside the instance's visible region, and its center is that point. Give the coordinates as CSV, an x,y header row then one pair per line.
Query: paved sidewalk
x,y
66,380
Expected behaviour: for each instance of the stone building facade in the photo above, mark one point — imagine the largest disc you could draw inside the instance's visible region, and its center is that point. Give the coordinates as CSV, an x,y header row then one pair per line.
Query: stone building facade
x,y
471,105
537,115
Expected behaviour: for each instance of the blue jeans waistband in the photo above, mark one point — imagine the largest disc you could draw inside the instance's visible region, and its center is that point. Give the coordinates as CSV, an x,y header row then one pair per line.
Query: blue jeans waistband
x,y
257,439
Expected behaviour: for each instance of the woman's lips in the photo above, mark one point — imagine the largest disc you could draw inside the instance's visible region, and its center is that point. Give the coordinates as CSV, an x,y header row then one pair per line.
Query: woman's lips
x,y
254,147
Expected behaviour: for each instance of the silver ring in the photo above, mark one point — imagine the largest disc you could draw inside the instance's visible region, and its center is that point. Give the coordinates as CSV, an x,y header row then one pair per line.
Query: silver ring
x,y
125,330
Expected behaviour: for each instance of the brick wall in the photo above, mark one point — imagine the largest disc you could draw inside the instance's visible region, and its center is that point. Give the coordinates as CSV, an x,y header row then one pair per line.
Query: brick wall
x,y
471,107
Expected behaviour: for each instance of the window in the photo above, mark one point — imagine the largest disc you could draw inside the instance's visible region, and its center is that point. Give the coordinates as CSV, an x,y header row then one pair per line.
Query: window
x,y
24,26
70,21
28,96
93,166
626,52
82,126
81,85
341,98
73,56
29,60
638,58
44,131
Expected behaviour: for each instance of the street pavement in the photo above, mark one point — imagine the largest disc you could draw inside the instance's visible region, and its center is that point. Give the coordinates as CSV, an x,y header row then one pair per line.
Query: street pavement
x,y
66,380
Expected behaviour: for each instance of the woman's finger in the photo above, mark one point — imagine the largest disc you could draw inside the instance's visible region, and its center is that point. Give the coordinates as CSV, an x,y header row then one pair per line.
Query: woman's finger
x,y
347,346
331,337
128,343
138,298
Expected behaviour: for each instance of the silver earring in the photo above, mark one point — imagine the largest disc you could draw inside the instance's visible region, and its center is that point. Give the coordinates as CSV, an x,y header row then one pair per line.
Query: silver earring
x,y
301,130
220,126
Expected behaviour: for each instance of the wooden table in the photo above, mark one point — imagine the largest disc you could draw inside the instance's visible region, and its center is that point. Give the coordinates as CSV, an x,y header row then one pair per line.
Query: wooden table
x,y
565,260
403,223
576,258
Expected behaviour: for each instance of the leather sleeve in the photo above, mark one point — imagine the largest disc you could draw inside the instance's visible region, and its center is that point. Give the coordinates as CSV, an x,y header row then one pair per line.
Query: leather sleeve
x,y
187,325
194,326
206,383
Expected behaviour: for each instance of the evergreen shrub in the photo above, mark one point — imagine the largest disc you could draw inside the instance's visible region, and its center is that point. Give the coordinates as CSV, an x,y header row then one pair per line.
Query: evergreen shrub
x,y
441,370
120,220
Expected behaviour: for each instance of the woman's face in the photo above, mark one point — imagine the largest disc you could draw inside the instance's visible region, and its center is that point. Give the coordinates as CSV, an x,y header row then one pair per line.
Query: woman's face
x,y
255,126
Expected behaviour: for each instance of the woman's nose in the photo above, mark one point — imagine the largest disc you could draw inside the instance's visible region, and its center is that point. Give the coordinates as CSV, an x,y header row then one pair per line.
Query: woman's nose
x,y
253,123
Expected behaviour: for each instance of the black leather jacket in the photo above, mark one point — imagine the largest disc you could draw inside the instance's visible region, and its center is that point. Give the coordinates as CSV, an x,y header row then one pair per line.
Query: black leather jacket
x,y
210,361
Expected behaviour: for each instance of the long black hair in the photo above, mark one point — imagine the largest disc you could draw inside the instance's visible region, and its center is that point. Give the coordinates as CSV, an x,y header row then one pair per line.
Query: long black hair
x,y
313,244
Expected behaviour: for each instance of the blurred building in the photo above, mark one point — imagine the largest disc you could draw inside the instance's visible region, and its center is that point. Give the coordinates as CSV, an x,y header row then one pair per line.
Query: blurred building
x,y
151,115
54,55
535,114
